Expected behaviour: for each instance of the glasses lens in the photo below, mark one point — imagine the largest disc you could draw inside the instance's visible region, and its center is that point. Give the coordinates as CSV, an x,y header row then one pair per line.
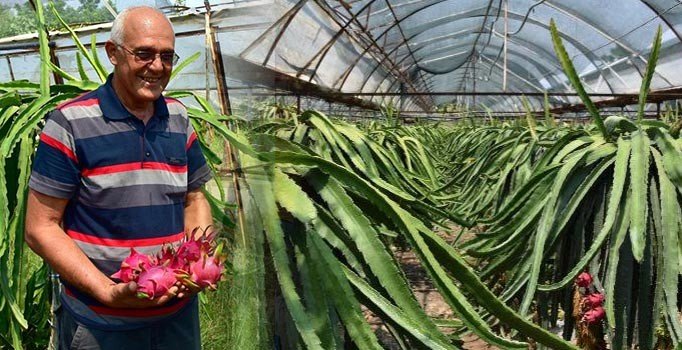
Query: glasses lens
x,y
145,56
168,57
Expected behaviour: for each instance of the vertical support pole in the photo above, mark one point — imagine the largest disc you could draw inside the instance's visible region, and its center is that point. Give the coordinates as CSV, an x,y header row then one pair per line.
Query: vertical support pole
x,y
506,31
298,103
658,110
231,156
219,70
473,79
11,71
401,102
55,60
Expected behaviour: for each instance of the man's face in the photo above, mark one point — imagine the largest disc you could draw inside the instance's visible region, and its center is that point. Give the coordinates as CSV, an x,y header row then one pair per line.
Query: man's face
x,y
143,62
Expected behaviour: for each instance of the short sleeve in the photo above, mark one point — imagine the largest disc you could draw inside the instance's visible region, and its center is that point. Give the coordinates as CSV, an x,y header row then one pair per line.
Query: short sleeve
x,y
198,172
55,170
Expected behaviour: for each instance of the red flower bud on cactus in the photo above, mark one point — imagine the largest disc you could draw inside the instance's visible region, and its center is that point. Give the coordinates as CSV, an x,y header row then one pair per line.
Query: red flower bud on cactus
x,y
132,266
584,280
155,282
595,315
594,300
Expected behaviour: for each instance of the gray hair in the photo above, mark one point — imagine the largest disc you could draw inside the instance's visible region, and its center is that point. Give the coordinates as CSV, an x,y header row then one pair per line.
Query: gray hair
x,y
117,26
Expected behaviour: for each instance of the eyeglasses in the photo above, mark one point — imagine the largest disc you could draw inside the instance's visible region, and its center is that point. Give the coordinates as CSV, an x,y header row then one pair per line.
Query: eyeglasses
x,y
146,57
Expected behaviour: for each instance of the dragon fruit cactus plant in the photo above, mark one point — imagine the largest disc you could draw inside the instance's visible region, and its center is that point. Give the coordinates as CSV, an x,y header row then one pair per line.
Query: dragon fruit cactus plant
x,y
197,262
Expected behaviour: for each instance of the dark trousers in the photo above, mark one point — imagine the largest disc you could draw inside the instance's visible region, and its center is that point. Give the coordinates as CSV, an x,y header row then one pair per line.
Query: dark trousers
x,y
179,332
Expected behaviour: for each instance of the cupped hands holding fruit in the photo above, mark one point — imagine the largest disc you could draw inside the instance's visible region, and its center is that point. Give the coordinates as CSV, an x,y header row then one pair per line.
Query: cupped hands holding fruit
x,y
196,264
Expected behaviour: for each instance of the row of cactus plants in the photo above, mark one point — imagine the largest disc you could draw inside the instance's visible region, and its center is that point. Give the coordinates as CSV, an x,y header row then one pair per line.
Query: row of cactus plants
x,y
603,197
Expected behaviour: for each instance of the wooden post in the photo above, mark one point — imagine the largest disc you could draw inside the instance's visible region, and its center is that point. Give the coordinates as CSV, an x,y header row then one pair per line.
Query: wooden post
x,y
53,57
506,30
9,64
230,155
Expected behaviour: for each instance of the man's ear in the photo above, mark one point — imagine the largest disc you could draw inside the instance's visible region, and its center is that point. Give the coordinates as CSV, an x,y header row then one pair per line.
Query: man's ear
x,y
111,48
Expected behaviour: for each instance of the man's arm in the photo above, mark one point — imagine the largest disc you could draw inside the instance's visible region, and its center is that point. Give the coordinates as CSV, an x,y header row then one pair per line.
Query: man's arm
x,y
45,236
197,212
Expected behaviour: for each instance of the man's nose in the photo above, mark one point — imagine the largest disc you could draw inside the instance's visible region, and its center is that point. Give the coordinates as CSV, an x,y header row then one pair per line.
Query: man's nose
x,y
156,63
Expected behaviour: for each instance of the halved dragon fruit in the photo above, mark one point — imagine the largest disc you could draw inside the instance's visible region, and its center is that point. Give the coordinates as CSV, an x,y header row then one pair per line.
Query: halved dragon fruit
x,y
132,266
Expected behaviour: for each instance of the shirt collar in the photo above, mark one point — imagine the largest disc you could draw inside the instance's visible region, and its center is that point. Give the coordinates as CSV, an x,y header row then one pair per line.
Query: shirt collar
x,y
112,107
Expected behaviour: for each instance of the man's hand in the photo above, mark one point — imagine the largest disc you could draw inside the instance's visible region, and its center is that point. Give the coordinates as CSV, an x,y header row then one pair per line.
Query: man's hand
x,y
186,291
124,295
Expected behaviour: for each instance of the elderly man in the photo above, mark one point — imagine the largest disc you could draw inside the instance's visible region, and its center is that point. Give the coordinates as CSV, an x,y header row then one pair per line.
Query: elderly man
x,y
119,168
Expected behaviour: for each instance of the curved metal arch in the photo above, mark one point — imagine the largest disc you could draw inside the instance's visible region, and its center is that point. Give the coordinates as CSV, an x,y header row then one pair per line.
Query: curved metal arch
x,y
325,49
604,34
665,20
534,62
373,43
610,38
411,53
391,86
547,60
521,79
352,66
551,60
287,18
467,14
523,43
591,57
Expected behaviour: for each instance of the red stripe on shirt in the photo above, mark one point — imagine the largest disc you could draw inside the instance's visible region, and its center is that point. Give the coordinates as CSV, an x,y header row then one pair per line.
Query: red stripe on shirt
x,y
120,168
123,312
56,144
150,312
191,140
126,243
74,100
77,103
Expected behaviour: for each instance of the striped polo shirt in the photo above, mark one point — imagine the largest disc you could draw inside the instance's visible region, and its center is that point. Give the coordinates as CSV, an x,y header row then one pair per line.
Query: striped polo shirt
x,y
126,183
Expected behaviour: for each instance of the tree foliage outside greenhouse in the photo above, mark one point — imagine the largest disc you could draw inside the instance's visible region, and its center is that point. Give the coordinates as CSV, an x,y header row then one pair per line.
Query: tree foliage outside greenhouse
x,y
538,230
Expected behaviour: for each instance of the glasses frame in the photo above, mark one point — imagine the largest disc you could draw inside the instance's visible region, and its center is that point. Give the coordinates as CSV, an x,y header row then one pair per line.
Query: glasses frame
x,y
150,60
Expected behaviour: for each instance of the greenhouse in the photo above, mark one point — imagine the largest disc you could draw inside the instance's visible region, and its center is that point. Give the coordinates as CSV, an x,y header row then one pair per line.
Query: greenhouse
x,y
393,174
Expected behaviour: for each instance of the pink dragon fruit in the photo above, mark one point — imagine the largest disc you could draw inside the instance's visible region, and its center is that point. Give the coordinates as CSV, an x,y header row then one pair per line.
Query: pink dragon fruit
x,y
205,273
155,281
167,256
584,280
132,266
594,300
595,315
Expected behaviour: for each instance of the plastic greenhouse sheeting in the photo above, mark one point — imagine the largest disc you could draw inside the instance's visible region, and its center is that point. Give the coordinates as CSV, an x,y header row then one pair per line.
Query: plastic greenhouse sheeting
x,y
393,46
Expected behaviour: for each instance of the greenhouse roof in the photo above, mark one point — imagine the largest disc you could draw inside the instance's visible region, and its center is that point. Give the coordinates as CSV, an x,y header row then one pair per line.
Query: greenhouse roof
x,y
476,53
459,46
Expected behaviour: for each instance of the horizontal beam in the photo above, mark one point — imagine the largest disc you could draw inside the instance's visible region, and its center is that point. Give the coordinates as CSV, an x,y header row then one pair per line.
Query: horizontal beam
x,y
245,71
625,100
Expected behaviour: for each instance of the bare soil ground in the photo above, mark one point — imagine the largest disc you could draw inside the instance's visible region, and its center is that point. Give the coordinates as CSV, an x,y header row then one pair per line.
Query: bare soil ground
x,y
430,300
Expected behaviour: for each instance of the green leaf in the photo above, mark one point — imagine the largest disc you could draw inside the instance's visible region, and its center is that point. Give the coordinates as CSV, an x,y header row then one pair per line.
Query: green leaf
x,y
639,170
646,79
186,62
618,185
573,77
262,189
